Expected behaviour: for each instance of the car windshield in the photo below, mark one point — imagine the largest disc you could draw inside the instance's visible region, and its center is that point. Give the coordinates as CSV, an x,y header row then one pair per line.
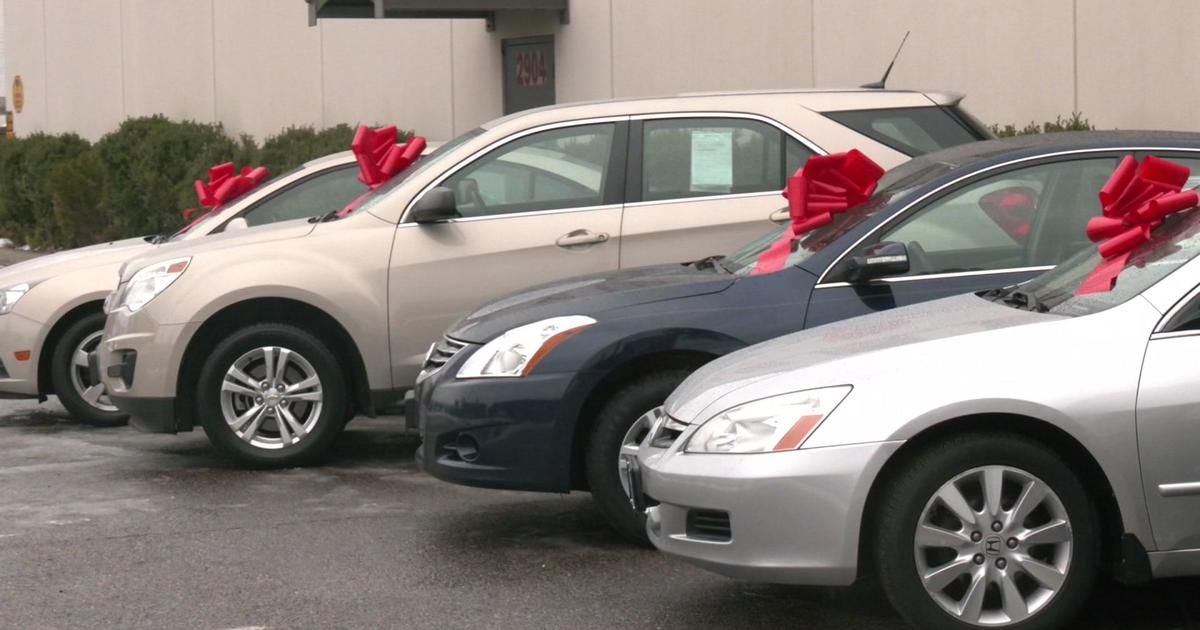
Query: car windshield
x,y
1173,244
895,185
421,166
212,215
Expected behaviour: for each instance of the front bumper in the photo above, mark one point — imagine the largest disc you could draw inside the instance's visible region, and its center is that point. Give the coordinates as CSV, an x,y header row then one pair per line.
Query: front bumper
x,y
138,361
507,433
19,334
793,517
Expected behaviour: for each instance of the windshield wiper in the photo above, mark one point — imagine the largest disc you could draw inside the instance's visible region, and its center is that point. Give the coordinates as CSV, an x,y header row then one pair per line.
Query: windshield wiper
x,y
1027,301
328,216
1013,296
713,262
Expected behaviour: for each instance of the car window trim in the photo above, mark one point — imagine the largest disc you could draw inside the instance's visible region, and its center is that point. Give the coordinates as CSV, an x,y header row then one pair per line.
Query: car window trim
x,y
284,189
517,135
633,171
1162,328
509,215
918,203
938,276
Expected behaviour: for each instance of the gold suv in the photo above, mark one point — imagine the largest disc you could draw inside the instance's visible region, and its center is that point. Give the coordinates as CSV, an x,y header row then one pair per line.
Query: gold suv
x,y
272,339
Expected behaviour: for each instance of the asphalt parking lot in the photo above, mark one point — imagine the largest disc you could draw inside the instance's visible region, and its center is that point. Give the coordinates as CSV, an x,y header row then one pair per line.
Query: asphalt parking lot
x,y
109,528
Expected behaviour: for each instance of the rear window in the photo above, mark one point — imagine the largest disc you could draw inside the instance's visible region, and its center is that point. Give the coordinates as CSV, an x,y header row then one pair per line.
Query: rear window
x,y
912,130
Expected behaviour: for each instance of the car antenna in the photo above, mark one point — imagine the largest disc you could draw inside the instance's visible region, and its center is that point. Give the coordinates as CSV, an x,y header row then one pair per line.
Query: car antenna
x,y
880,84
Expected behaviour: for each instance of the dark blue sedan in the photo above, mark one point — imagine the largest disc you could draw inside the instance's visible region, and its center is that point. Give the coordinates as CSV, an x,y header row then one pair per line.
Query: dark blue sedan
x,y
543,390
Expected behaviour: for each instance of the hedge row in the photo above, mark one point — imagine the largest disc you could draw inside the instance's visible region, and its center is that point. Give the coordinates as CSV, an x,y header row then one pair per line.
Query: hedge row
x,y
1074,122
60,191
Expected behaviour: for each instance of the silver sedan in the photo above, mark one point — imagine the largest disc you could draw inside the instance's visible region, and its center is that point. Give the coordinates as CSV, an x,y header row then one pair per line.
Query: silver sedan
x,y
985,456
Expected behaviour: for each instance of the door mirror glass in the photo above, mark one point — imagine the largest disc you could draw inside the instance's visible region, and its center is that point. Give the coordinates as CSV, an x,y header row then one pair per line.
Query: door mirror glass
x,y
236,224
880,260
435,206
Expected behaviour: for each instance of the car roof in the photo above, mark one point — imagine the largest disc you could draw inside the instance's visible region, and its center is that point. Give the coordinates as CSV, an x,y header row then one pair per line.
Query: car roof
x,y
1037,144
814,99
341,157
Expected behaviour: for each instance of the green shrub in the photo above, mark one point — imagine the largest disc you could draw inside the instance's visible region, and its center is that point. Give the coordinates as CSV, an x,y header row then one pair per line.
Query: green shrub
x,y
59,190
1074,122
294,146
149,167
76,186
27,168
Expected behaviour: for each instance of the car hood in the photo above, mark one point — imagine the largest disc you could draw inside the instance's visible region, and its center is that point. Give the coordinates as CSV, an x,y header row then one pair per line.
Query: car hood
x,y
858,346
588,295
42,267
216,242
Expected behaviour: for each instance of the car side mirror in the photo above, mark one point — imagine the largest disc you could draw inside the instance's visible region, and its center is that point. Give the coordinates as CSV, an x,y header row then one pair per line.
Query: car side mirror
x,y
236,224
879,261
436,206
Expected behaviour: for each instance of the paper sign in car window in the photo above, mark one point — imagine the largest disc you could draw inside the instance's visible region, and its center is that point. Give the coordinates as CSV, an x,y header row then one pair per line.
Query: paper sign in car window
x,y
712,160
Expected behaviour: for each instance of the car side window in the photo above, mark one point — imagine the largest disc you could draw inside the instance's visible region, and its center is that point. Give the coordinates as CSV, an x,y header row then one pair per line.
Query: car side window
x,y
1034,216
550,170
1186,318
314,196
701,157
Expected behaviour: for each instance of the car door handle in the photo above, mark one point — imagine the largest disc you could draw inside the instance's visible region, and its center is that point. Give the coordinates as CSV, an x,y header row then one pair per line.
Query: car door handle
x,y
576,238
780,216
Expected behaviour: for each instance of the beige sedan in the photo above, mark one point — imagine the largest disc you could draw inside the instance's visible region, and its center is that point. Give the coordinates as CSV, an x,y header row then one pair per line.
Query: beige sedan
x,y
50,306
271,340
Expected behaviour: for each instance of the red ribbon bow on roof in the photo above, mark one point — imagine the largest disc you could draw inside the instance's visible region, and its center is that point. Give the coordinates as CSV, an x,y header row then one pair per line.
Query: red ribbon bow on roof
x,y
379,157
824,186
226,183
1134,201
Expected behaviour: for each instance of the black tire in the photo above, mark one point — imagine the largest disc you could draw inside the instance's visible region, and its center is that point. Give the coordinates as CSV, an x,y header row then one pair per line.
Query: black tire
x,y
904,500
330,420
62,365
604,446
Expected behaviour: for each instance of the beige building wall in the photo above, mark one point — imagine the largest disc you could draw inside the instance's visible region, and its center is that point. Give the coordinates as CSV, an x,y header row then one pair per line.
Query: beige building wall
x,y
257,66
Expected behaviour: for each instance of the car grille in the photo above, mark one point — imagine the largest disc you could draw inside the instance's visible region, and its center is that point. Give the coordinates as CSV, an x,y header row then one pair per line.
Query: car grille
x,y
440,353
710,525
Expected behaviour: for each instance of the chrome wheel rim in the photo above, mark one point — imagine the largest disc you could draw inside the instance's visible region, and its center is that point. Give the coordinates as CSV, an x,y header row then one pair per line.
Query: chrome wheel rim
x,y
92,392
629,448
271,397
993,546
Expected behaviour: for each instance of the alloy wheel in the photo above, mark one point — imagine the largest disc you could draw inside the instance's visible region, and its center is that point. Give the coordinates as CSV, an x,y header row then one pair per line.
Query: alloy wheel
x,y
993,546
629,447
92,392
271,397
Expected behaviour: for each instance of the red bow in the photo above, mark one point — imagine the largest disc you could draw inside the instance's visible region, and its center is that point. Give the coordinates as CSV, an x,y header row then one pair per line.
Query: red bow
x,y
225,183
379,157
1134,201
824,186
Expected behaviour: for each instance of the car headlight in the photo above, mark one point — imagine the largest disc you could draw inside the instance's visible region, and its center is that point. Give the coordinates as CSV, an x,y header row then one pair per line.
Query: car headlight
x,y
148,282
10,296
778,423
518,351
